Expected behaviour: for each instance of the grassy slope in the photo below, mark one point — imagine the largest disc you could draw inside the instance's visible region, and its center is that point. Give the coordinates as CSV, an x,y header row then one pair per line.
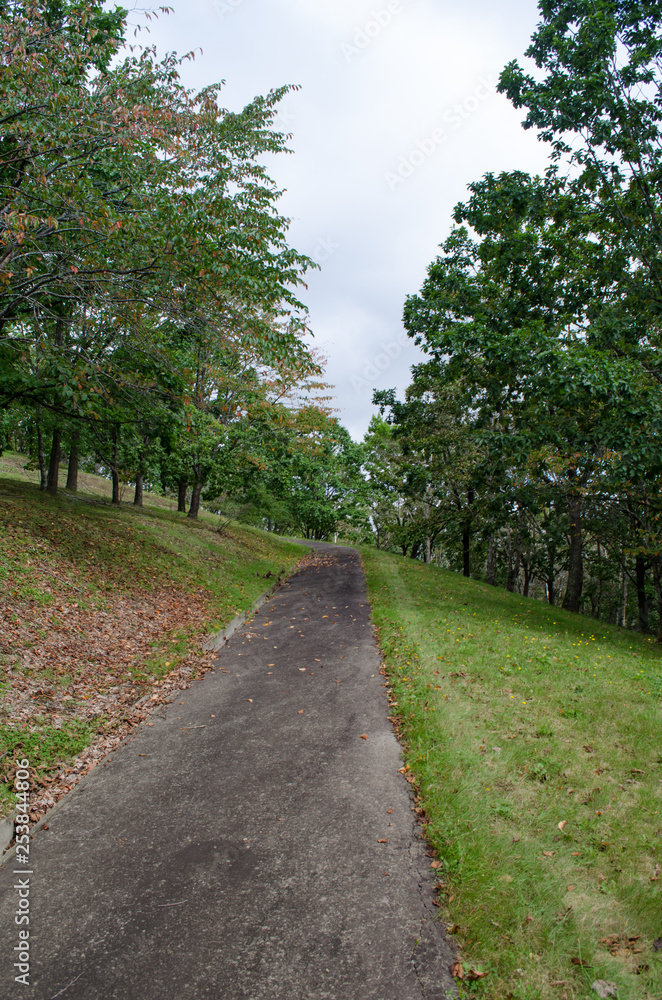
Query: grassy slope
x,y
517,717
70,566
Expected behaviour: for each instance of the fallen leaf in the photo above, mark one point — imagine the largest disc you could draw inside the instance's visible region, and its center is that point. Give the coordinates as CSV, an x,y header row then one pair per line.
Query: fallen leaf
x,y
250,699
472,975
435,864
383,841
389,811
548,854
363,736
457,971
562,825
619,945
571,888
579,961
300,712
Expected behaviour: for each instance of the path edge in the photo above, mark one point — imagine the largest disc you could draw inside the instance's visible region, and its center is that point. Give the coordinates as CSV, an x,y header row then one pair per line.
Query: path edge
x,y
213,643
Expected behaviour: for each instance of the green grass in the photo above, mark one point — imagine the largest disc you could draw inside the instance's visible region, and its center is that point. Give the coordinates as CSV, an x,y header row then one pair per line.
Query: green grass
x,y
46,747
517,717
128,549
57,550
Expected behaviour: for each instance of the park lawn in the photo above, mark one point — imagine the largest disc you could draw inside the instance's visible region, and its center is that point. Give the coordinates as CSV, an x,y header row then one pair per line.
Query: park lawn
x,y
532,742
102,605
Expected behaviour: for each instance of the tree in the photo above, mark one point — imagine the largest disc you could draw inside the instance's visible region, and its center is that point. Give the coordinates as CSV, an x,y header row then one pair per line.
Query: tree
x,y
134,207
598,103
515,318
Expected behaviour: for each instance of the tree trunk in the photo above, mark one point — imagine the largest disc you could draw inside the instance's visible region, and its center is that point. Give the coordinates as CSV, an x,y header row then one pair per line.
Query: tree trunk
x,y
573,593
490,573
415,549
138,495
642,600
72,471
551,593
182,487
528,574
624,606
114,471
514,567
54,463
195,499
43,473
658,590
428,550
466,550
466,535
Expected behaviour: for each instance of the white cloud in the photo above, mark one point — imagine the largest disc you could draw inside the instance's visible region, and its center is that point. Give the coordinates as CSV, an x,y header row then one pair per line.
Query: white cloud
x,y
358,118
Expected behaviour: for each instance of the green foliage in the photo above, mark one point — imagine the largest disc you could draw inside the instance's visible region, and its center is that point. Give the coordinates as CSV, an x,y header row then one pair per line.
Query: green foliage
x,y
597,102
148,294
296,472
520,439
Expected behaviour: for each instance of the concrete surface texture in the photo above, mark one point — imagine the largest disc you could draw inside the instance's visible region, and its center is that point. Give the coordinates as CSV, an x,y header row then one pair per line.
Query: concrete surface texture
x,y
247,843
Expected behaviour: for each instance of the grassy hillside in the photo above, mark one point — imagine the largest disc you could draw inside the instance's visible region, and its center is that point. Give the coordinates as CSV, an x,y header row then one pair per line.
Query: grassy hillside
x,y
101,606
533,743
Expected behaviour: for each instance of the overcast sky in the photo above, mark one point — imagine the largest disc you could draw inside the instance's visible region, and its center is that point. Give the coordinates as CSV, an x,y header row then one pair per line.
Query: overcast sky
x,y
396,114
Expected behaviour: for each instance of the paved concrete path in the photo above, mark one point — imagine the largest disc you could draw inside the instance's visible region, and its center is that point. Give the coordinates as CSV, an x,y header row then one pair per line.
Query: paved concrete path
x,y
235,848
